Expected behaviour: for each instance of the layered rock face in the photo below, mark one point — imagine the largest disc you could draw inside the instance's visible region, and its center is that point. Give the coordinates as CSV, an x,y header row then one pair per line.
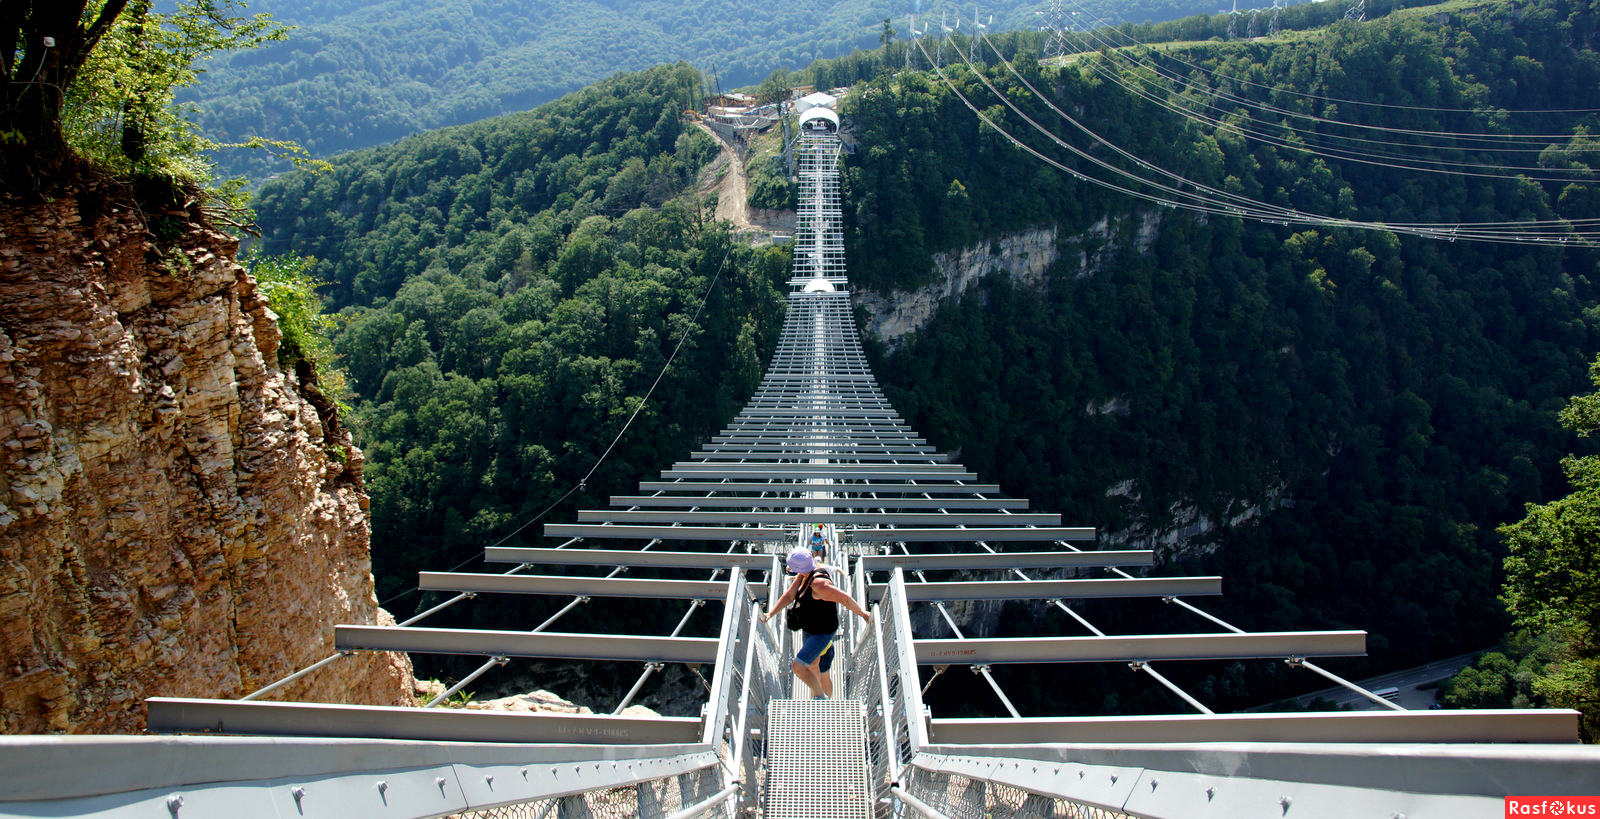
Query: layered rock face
x,y
1025,256
176,518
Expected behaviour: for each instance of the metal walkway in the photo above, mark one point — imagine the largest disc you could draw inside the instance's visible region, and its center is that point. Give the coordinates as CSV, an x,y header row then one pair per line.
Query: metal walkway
x,y
817,761
816,448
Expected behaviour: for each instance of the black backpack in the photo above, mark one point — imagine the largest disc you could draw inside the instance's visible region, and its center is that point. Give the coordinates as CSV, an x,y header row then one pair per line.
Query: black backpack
x,y
802,613
791,615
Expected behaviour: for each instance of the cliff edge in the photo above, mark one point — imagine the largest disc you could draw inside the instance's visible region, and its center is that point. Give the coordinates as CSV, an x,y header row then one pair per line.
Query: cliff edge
x,y
176,517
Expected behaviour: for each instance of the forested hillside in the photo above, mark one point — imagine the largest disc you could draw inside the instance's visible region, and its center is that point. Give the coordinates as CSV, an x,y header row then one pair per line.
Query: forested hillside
x,y
353,75
1364,407
1374,405
512,289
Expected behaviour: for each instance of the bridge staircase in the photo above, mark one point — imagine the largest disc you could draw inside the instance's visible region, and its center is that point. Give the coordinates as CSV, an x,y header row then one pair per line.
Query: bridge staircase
x,y
818,447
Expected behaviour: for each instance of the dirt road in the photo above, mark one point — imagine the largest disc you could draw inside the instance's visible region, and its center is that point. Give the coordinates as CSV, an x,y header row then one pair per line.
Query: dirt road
x,y
732,196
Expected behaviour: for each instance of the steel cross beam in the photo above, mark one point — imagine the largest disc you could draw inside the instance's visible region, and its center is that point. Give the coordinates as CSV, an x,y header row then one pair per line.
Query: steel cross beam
x,y
525,644
1519,725
177,715
1009,560
802,486
1052,589
605,530
858,518
1143,647
628,557
971,535
586,586
839,501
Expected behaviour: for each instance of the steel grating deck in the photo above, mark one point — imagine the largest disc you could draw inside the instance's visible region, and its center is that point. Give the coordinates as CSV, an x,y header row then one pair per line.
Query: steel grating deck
x,y
817,761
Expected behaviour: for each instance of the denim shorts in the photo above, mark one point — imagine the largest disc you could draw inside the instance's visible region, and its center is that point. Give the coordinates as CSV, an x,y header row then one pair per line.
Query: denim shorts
x,y
816,645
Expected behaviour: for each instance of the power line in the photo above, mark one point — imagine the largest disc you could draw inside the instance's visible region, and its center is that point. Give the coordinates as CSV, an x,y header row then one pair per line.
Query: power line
x,y
1104,25
1210,200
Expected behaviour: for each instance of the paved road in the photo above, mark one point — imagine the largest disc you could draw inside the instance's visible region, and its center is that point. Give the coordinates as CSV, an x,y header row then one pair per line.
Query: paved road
x,y
1407,681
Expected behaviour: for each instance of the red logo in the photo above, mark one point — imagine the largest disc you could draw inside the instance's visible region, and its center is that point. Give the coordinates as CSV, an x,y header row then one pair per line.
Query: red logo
x,y
1517,806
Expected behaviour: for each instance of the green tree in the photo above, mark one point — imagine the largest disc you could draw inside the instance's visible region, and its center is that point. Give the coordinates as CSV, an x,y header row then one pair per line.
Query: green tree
x,y
307,344
777,87
95,79
1553,569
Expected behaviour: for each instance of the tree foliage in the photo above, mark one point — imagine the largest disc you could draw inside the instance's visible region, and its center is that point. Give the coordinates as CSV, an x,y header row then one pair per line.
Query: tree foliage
x,y
510,292
1347,415
1552,583
307,331
95,80
362,74
1350,414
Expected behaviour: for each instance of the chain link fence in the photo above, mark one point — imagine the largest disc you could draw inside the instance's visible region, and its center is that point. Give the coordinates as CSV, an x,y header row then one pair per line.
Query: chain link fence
x,y
961,797
646,800
889,690
750,676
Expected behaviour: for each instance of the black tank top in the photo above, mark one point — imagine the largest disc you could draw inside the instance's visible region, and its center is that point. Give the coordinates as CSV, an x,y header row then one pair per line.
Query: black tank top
x,y
816,616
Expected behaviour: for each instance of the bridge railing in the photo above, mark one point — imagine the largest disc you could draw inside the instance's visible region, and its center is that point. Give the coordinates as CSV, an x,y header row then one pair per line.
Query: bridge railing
x,y
529,766
748,676
1332,765
882,674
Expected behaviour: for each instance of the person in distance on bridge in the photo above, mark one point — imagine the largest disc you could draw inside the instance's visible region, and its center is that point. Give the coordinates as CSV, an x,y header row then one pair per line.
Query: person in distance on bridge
x,y
819,544
818,614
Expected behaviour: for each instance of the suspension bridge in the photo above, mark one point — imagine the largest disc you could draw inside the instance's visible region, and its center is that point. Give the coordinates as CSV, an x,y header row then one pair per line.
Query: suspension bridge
x,y
817,446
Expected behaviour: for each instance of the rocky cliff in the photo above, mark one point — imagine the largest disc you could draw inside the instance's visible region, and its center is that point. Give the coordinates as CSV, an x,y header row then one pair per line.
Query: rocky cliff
x,y
1025,256
176,516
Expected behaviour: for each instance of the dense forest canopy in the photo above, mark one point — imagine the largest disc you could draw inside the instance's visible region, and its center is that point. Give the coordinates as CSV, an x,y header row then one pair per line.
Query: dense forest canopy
x,y
1367,407
357,74
510,291
1358,410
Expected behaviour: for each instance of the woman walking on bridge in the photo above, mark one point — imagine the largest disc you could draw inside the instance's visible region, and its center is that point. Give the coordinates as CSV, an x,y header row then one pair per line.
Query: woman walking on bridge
x,y
817,612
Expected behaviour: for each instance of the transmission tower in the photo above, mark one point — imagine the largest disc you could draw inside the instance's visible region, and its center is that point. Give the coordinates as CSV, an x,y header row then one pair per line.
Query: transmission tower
x,y
1277,9
1357,11
938,57
1056,46
1254,13
977,31
911,34
1233,21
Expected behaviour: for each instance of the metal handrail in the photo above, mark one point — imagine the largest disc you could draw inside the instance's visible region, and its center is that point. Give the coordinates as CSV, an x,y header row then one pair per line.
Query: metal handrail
x,y
914,803
701,807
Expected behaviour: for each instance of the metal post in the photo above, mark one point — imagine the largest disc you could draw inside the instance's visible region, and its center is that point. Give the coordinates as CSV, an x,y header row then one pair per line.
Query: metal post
x,y
1303,663
891,735
910,692
448,692
741,733
295,676
981,670
915,804
732,614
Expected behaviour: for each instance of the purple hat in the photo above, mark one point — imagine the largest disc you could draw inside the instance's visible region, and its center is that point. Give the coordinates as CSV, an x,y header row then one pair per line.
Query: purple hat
x,y
800,561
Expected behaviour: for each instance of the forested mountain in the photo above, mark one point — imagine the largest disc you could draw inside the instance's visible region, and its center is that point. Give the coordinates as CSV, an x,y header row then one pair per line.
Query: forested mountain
x,y
1364,407
355,74
1379,404
512,289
